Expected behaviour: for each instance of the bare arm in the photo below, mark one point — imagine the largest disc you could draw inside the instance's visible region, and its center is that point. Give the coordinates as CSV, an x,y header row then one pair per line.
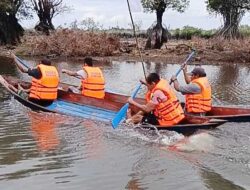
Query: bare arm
x,y
187,89
175,82
176,85
146,108
186,76
71,73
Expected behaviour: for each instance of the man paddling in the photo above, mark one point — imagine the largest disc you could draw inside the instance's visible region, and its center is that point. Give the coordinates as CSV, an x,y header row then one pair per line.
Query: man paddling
x,y
197,91
45,80
162,107
92,80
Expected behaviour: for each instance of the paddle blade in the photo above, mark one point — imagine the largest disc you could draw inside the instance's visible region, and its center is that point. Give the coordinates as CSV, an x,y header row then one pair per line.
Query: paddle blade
x,y
120,116
122,112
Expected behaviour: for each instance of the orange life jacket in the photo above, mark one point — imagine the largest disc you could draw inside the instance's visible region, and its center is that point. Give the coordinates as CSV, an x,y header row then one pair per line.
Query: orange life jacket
x,y
45,88
200,103
93,85
169,112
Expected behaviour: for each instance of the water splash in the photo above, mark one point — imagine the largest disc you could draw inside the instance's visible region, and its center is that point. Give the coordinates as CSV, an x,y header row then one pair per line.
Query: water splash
x,y
201,142
151,134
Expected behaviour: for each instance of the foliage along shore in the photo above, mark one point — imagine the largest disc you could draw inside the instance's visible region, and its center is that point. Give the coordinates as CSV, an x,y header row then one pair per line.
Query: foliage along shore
x,y
77,43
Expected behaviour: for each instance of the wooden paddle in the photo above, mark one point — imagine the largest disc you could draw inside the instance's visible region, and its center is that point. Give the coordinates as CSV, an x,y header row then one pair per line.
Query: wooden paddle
x,y
122,112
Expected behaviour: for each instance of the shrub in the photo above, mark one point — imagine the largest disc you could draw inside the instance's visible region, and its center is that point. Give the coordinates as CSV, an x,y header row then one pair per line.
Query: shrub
x,y
67,42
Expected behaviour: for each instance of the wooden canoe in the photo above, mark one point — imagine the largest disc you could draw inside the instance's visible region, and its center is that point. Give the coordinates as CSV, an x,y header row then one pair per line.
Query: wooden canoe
x,y
77,105
114,102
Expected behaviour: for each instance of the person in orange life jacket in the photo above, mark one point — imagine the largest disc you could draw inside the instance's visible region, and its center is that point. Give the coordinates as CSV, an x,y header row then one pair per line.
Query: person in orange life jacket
x,y
45,80
162,107
197,91
92,83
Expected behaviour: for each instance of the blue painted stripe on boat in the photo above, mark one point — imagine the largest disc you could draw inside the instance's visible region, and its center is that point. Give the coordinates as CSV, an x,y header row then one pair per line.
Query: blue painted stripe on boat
x,y
88,112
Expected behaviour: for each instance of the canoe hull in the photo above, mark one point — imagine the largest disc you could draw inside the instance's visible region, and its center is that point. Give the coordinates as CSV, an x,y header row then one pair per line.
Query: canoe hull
x,y
189,129
62,107
115,101
97,109
231,114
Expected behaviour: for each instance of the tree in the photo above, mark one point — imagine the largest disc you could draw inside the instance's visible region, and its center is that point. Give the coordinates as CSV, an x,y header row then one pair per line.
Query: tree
x,y
46,10
10,11
90,24
157,34
232,12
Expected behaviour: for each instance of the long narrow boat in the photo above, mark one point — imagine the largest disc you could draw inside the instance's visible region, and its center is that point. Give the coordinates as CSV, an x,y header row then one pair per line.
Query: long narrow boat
x,y
230,114
77,105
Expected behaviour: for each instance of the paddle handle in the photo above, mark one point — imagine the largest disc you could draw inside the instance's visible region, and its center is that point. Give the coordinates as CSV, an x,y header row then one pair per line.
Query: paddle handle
x,y
136,90
22,62
185,62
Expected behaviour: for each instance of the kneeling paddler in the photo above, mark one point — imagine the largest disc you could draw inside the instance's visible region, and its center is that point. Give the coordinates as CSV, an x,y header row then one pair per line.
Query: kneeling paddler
x,y
44,83
162,107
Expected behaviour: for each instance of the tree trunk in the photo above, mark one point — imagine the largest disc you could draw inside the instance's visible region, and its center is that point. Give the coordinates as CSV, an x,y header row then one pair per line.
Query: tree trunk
x,y
230,29
43,27
157,35
50,24
10,29
45,23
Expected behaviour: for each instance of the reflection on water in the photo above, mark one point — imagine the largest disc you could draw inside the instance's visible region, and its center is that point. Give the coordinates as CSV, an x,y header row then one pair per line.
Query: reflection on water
x,y
44,130
60,152
215,181
134,184
230,84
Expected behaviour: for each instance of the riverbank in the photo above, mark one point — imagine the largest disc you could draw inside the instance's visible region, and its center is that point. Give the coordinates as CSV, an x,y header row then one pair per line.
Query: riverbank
x,y
77,44
208,51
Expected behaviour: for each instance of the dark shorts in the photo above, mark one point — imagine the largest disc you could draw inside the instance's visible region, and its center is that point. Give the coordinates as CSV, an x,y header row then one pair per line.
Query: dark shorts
x,y
41,102
149,118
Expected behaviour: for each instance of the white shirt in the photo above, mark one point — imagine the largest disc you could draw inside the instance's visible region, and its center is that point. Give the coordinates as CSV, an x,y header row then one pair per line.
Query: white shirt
x,y
82,73
158,97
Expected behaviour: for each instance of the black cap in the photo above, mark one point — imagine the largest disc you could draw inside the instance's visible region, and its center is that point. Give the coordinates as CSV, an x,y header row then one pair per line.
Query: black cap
x,y
88,61
199,71
46,61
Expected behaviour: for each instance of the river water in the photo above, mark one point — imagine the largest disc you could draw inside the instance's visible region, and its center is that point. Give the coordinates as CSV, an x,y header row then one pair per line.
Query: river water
x,y
51,151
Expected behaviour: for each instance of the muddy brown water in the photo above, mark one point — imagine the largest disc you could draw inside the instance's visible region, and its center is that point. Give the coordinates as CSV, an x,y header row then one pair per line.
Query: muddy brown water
x,y
52,151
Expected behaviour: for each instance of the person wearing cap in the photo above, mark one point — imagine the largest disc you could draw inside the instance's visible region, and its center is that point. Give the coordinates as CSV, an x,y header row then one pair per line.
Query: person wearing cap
x,y
197,91
162,106
92,80
45,80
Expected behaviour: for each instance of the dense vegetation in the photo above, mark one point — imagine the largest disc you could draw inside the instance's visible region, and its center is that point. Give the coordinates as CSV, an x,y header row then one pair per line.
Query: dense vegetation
x,y
12,11
185,33
69,43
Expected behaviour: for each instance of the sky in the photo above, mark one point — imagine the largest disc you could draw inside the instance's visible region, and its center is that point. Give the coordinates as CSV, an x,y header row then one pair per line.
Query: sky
x,y
112,13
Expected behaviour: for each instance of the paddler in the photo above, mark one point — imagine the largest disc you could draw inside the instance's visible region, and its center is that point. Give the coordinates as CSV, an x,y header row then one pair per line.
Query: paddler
x,y
162,107
92,80
45,80
197,91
